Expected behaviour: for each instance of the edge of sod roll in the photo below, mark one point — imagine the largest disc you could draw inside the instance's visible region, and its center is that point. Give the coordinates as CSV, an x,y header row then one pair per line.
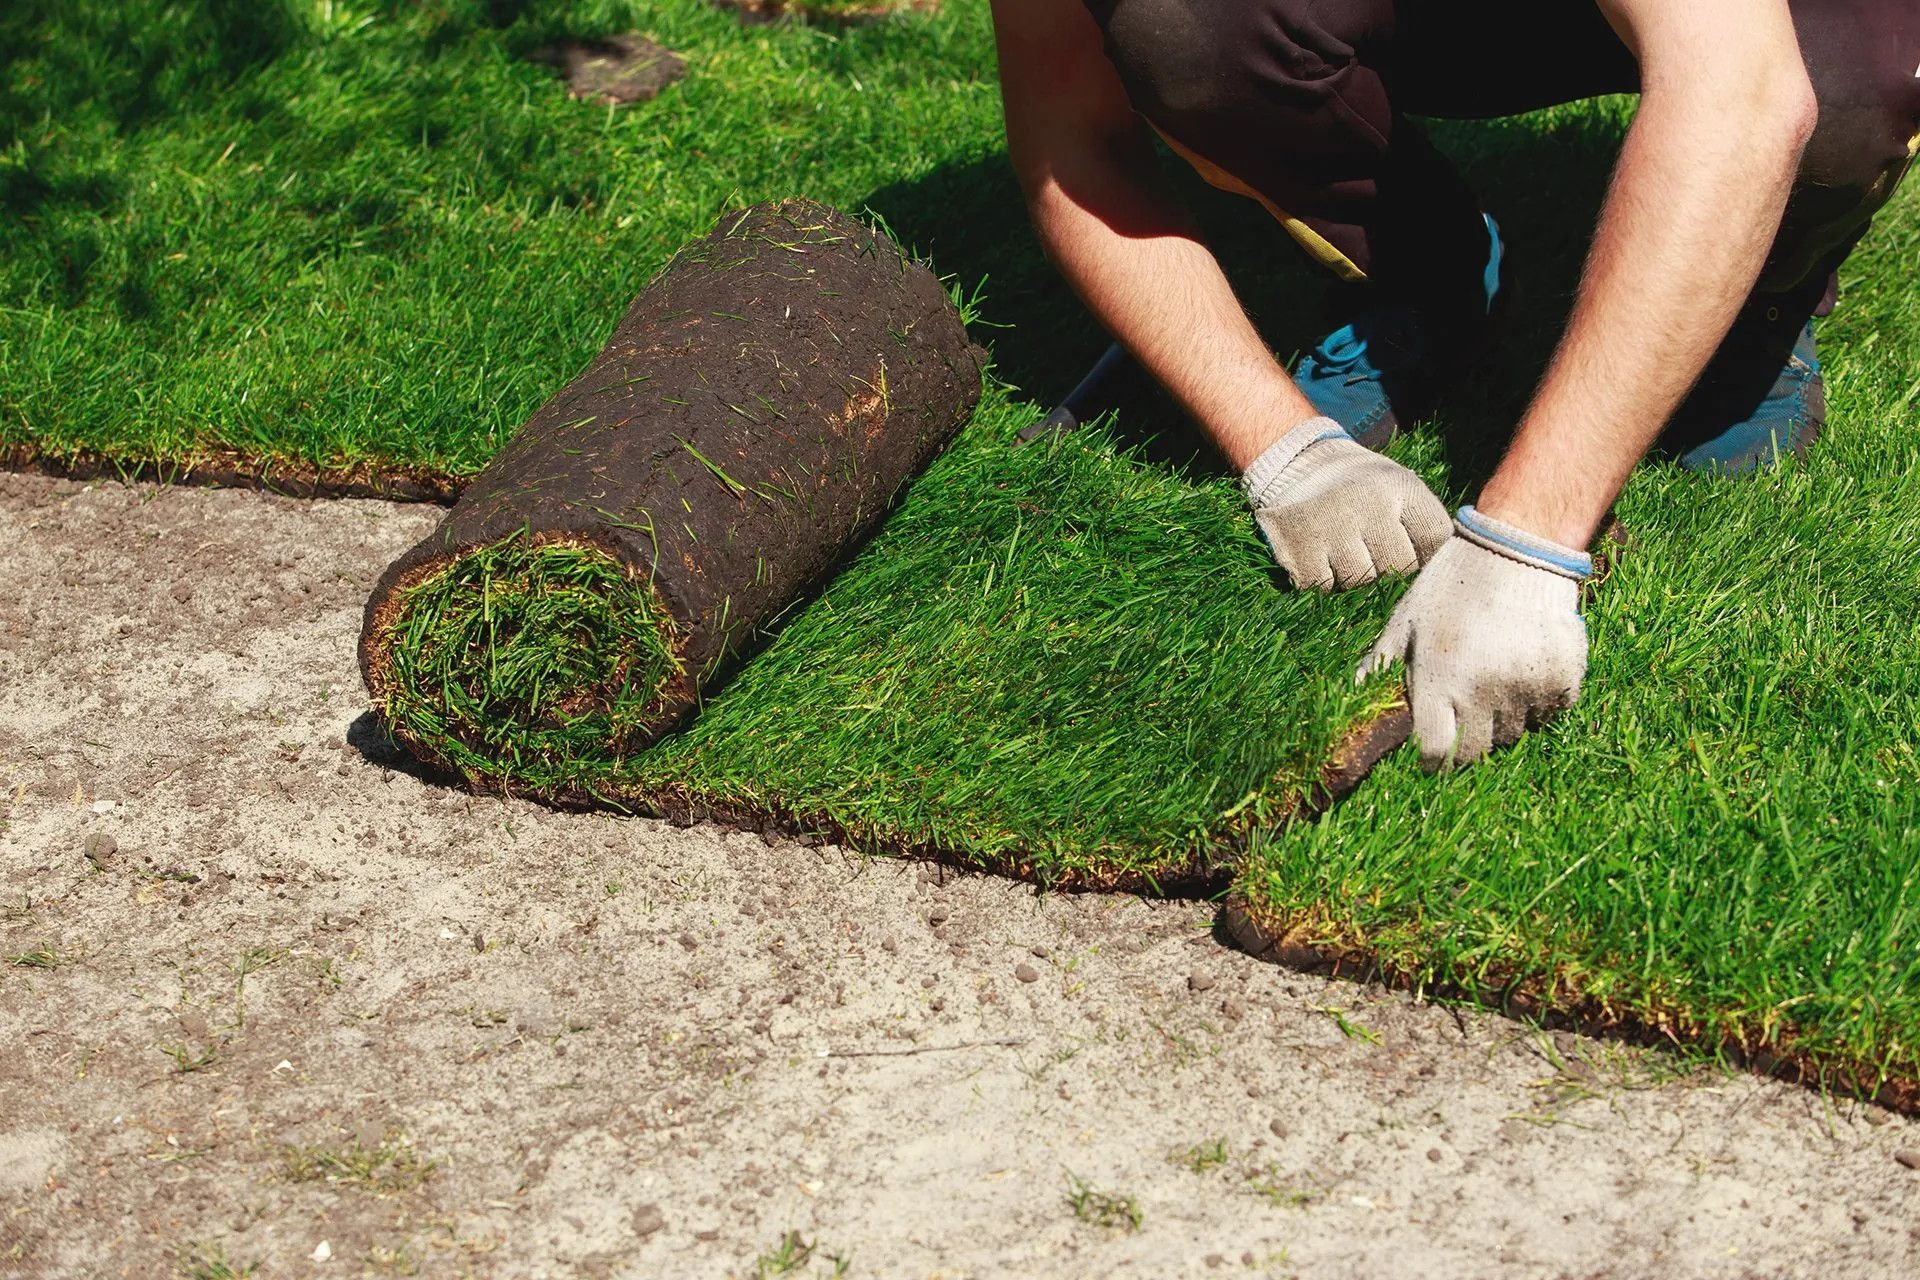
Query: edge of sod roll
x,y
221,468
1204,874
579,652
1319,942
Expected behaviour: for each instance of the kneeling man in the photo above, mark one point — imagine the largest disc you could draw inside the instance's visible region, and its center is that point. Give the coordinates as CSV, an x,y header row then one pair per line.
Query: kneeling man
x,y
1768,134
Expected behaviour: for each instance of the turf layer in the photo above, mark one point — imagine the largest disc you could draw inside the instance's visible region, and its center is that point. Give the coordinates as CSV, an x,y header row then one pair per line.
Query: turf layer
x,y
511,656
1053,659
369,239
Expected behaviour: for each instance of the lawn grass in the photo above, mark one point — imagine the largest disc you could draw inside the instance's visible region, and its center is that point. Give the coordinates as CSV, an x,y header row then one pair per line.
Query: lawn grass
x,y
373,237
352,235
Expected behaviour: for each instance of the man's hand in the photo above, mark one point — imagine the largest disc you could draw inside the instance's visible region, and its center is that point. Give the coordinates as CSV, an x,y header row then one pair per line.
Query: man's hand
x,y
1492,639
1489,632
1337,514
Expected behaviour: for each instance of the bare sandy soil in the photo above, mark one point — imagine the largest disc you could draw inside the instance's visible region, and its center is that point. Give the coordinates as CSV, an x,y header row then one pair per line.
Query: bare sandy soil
x,y
270,999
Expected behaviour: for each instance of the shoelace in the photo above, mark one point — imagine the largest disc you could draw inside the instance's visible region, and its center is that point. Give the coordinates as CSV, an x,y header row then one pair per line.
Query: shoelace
x,y
1396,333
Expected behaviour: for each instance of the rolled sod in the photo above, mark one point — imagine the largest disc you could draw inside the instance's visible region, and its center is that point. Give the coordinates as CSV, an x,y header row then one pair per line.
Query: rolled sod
x,y
752,417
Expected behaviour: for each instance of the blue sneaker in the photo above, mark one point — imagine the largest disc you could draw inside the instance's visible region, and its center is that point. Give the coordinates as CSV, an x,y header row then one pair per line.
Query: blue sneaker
x,y
1378,371
1750,406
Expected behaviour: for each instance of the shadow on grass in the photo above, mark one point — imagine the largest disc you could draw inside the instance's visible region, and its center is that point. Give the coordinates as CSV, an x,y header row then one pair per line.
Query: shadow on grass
x,y
1542,176
135,63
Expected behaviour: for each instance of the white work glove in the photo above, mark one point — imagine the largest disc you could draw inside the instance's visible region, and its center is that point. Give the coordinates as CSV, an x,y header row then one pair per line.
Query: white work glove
x,y
1491,636
1337,514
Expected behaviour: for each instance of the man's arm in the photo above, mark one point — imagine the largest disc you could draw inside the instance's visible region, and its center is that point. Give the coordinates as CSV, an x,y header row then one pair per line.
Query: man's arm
x,y
1333,513
1725,109
1087,166
1491,632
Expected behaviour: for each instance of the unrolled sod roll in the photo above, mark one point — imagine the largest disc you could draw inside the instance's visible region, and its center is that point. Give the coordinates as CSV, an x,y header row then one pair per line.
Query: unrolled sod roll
x,y
754,414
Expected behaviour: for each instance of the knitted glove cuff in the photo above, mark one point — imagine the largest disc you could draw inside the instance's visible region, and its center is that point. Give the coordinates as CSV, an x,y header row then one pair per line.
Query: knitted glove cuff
x,y
1266,469
1517,544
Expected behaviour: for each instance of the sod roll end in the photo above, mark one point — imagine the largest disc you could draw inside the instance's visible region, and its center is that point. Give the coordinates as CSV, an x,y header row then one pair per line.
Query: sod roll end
x,y
754,414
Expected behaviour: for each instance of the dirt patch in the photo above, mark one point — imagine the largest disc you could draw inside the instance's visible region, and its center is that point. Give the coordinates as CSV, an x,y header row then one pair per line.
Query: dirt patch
x,y
618,69
307,998
841,12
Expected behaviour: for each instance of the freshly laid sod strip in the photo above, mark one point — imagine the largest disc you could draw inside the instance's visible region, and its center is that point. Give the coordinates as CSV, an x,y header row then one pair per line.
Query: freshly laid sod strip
x,y
755,413
1720,845
1055,662
350,247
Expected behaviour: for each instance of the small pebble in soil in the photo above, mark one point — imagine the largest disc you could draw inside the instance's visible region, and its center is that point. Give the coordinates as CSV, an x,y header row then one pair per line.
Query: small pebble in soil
x,y
939,913
1026,972
889,946
687,941
1198,981
1215,1261
100,848
1233,1010
540,1021
1433,1154
928,981
1909,1157
648,1219
1040,953
1279,1128
937,1003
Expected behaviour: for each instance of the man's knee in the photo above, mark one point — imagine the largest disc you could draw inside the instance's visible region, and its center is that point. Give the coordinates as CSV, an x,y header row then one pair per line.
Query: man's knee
x,y
1213,59
1861,57
1861,148
1862,145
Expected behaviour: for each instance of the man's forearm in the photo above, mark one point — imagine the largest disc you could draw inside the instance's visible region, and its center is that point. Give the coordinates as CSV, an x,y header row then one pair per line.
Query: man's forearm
x,y
1135,259
1696,200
